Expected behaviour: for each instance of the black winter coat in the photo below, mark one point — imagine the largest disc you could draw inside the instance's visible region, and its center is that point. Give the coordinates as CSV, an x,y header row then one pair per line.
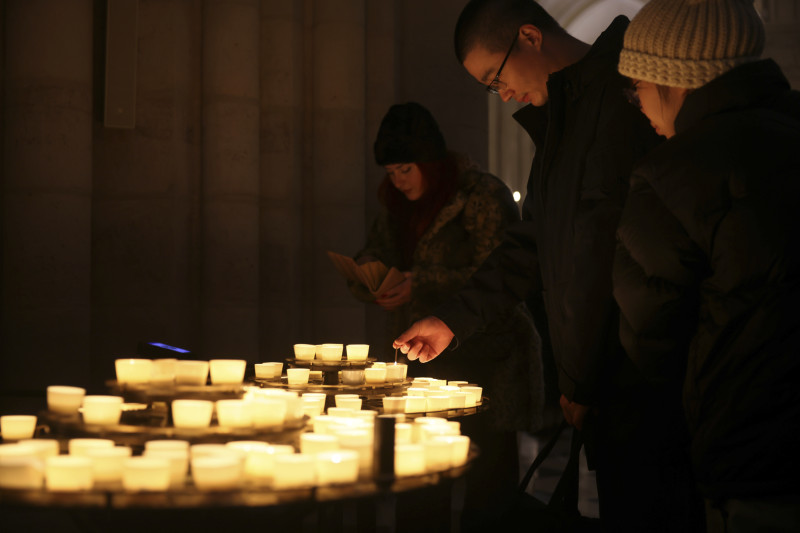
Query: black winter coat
x,y
587,139
708,265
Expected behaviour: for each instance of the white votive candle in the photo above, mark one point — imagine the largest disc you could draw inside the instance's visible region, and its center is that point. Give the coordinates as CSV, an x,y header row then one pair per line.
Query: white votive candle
x,y
217,472
438,455
108,463
178,463
297,376
357,352
360,441
335,467
415,404
294,471
394,404
133,371
191,373
16,427
227,371
375,375
192,413
305,352
234,413
68,473
396,372
268,411
260,463
409,460
313,443
64,399
459,448
101,409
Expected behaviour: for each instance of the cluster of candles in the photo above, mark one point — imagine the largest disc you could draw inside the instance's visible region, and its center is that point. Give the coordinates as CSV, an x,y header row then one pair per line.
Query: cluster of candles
x,y
431,394
339,450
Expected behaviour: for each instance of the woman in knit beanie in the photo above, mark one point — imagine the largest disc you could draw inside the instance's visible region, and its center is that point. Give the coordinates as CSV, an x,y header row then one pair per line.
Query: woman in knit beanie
x,y
707,270
442,218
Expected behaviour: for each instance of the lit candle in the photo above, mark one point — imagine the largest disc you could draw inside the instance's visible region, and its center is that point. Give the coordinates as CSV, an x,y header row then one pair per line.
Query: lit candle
x,y
409,460
294,471
108,463
313,443
217,472
438,455
337,467
68,473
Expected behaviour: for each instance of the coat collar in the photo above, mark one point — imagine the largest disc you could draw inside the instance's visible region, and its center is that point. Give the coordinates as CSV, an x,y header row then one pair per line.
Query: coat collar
x,y
744,86
451,210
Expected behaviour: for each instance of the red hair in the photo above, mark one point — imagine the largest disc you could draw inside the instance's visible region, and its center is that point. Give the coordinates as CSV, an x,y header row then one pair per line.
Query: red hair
x,y
413,218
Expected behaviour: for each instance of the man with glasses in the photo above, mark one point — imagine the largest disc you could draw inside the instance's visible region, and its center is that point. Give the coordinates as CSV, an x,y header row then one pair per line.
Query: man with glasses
x,y
560,256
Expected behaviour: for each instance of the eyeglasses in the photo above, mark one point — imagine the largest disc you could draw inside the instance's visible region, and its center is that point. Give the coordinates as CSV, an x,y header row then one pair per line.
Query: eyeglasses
x,y
632,94
496,86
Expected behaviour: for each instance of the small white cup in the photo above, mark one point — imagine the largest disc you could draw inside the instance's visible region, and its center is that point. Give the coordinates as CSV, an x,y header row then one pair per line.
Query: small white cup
x,y
192,413
268,370
146,474
305,352
409,460
102,410
438,402
43,448
64,399
133,371
163,371
293,471
217,472
234,413
335,467
416,404
396,372
331,352
352,377
178,462
108,463
68,473
350,401
313,443
193,373
16,427
227,371
375,375
438,455
20,467
268,411
459,450
394,404
297,376
474,389
357,352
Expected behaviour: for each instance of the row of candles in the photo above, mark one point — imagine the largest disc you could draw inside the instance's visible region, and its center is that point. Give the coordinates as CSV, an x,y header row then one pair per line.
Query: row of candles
x,y
340,449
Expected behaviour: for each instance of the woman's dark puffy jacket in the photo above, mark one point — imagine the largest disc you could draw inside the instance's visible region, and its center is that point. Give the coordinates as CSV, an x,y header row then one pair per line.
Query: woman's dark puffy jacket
x,y
708,264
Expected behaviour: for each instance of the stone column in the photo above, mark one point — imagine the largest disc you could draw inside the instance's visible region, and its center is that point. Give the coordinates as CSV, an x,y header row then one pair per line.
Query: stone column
x,y
285,269
337,139
47,178
230,227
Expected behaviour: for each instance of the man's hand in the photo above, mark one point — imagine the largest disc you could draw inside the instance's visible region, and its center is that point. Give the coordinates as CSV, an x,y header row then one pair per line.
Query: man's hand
x,y
425,339
574,413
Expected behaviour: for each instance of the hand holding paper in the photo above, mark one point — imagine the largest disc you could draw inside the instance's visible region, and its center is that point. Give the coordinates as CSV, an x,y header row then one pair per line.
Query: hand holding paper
x,y
375,276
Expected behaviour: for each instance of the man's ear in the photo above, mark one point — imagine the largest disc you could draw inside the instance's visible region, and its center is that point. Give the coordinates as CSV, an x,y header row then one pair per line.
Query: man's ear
x,y
530,35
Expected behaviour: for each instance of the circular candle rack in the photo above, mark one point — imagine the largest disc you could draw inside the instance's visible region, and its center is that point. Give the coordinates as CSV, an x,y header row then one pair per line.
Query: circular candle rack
x,y
113,496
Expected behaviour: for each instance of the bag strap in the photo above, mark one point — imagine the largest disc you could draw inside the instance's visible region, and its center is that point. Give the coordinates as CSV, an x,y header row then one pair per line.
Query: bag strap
x,y
541,456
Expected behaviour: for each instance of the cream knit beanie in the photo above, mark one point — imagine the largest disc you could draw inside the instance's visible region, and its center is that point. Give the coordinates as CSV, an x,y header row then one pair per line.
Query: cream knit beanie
x,y
687,43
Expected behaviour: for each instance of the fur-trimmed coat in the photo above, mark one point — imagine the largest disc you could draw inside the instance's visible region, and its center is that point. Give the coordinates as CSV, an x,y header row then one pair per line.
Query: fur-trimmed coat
x,y
505,357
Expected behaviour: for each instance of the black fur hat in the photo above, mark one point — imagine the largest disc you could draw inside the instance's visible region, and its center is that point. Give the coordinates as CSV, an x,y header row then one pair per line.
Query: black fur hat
x,y
409,134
